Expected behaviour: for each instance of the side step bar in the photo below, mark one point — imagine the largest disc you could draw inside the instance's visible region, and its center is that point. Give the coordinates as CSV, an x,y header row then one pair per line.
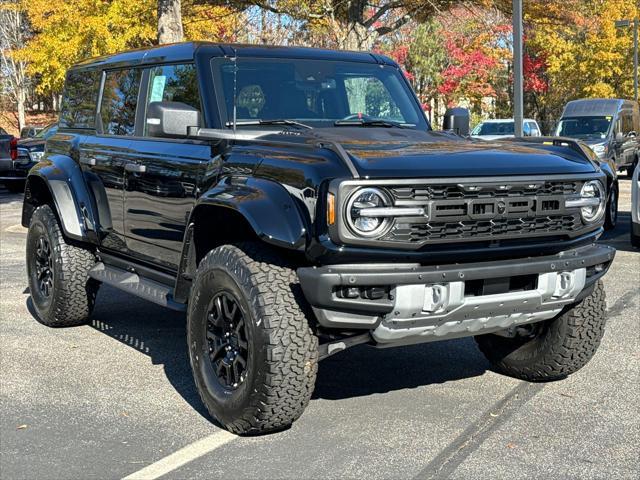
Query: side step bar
x,y
133,283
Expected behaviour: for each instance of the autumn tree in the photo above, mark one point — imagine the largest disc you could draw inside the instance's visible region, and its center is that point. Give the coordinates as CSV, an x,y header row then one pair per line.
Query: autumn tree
x,y
169,21
351,24
67,32
14,33
584,55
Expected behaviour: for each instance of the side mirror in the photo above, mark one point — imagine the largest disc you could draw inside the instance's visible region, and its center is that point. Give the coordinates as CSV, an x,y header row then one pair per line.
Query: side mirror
x,y
457,120
619,137
171,119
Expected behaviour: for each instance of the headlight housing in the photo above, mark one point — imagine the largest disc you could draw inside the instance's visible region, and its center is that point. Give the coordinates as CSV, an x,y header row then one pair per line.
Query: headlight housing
x,y
595,199
360,224
600,149
36,156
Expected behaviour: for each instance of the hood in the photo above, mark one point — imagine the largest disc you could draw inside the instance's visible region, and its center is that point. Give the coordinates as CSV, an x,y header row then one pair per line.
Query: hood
x,y
32,144
594,141
491,137
406,153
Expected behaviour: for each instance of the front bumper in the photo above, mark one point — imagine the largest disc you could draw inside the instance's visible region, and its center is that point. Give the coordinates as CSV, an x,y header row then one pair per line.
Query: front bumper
x,y
422,303
15,169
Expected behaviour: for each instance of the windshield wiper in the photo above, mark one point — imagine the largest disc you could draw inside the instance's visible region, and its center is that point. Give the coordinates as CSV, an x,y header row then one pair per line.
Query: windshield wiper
x,y
360,122
280,121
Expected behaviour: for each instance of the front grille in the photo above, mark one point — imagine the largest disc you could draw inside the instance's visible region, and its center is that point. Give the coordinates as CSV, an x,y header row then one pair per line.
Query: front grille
x,y
485,211
481,229
522,189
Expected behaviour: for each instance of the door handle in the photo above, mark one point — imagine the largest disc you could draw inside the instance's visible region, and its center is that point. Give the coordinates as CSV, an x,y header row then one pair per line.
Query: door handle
x,y
88,161
135,167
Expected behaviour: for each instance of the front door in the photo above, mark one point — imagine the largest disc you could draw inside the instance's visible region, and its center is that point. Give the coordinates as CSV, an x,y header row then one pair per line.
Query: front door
x,y
161,191
105,154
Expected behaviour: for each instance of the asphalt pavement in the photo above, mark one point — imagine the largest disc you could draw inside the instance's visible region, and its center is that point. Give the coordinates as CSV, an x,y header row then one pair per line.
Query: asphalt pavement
x,y
115,398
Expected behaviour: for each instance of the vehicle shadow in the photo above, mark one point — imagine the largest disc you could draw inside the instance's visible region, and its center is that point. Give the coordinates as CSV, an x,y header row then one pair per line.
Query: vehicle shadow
x,y
619,237
154,331
366,370
161,335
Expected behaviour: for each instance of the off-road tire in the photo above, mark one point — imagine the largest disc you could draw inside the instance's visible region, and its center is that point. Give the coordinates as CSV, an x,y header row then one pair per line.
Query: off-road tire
x,y
611,216
73,293
283,359
561,347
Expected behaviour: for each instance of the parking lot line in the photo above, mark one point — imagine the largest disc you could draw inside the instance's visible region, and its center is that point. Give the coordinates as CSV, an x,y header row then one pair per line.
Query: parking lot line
x,y
182,457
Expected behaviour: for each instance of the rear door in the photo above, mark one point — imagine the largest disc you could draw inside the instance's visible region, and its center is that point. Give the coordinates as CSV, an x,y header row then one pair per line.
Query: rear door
x,y
161,191
105,154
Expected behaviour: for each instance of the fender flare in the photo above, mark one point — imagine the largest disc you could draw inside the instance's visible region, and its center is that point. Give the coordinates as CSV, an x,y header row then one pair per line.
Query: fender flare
x,y
268,207
72,201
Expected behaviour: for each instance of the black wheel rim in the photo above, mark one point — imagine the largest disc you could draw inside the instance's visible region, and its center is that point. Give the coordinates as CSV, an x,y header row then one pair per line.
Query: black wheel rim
x,y
44,266
227,339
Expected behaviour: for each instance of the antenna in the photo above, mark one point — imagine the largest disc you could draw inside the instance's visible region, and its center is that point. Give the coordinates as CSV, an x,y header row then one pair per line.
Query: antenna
x,y
235,83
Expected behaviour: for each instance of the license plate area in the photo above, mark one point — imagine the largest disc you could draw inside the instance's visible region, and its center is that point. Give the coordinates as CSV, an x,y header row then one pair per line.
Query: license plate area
x,y
494,286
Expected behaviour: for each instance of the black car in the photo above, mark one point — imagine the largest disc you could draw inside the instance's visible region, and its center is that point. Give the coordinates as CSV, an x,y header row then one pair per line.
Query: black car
x,y
296,202
33,147
28,151
29,132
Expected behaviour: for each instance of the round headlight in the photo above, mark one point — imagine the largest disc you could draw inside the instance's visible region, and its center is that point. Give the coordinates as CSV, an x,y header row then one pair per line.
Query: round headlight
x,y
360,224
593,189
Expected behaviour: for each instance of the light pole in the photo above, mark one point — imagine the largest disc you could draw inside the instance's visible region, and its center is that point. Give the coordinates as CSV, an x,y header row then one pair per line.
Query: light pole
x,y
518,106
627,24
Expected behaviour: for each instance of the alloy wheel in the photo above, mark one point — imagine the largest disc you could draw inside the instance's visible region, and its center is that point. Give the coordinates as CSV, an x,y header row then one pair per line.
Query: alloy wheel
x,y
227,339
44,266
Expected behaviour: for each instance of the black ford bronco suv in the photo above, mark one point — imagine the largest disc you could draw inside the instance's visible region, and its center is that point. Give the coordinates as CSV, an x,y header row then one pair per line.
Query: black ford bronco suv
x,y
296,202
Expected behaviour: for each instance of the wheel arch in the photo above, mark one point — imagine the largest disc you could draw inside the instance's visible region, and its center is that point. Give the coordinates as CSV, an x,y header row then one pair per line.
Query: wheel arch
x,y
251,209
57,181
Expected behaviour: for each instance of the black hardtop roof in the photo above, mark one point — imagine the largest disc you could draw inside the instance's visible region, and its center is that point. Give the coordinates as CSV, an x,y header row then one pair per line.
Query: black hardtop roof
x,y
594,107
187,51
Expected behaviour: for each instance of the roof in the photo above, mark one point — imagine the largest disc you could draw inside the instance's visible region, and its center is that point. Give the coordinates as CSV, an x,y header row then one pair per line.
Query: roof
x,y
502,120
187,51
592,107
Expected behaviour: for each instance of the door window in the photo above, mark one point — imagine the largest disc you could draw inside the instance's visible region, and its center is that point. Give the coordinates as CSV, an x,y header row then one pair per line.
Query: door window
x,y
119,101
78,108
174,83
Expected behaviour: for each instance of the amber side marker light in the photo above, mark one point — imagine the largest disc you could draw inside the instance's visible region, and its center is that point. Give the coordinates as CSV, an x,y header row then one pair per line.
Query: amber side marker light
x,y
331,209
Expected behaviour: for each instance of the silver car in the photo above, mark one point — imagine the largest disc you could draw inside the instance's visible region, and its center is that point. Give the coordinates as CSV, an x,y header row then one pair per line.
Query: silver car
x,y
498,128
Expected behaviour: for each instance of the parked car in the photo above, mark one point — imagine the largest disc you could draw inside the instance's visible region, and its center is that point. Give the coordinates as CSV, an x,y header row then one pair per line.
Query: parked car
x,y
504,128
27,152
35,146
308,207
28,132
611,127
635,208
9,158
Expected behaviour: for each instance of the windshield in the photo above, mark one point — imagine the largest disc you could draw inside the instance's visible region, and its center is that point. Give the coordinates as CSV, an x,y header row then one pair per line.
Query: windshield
x,y
47,131
316,92
494,128
584,127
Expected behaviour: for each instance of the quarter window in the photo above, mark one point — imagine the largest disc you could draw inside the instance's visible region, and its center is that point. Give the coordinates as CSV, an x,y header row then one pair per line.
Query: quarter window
x,y
119,101
78,108
174,83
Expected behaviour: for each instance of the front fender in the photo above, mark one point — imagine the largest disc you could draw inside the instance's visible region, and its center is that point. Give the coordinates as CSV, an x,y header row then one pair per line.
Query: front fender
x,y
267,206
64,181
